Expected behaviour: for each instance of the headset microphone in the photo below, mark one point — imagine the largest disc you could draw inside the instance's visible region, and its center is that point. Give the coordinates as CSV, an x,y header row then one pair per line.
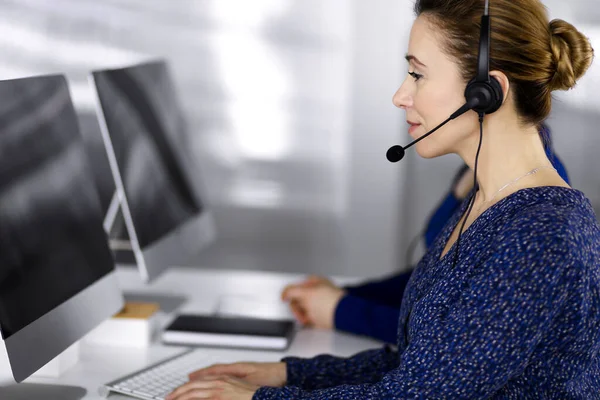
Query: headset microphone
x,y
396,153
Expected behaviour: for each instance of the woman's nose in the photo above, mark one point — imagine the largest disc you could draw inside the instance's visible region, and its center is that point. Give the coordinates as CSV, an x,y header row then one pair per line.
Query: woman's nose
x,y
402,98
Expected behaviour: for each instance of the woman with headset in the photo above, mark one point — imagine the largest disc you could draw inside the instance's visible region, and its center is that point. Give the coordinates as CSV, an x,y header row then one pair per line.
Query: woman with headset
x,y
505,304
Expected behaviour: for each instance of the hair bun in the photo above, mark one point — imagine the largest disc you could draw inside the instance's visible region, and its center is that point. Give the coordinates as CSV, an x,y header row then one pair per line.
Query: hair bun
x,y
572,54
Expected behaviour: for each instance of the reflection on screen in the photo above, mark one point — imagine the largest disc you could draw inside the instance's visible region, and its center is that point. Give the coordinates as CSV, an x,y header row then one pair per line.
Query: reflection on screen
x,y
148,137
52,244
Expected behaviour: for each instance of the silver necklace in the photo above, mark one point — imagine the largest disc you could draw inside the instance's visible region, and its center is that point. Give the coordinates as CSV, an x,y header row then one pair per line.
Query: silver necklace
x,y
533,171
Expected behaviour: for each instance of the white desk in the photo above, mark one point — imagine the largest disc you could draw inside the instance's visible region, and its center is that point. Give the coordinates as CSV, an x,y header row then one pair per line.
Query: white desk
x,y
202,290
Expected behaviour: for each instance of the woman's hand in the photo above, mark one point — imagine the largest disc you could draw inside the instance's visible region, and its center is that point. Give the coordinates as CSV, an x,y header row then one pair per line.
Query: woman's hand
x,y
314,301
261,374
231,381
216,387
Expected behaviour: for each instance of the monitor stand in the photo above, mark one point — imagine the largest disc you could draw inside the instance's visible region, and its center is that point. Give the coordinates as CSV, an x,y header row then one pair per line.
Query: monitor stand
x,y
124,330
120,246
35,390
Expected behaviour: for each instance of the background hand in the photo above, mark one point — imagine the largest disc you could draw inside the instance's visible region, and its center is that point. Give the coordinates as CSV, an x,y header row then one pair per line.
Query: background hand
x,y
314,301
297,308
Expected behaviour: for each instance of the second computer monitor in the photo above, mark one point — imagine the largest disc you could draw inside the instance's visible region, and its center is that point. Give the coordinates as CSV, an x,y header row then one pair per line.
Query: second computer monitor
x,y
147,145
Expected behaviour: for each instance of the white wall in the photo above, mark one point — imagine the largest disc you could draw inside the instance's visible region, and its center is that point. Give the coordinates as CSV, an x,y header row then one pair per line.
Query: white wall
x,y
373,220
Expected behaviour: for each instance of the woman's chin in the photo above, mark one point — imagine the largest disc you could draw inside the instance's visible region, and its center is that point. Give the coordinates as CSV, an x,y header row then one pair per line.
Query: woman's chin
x,y
427,151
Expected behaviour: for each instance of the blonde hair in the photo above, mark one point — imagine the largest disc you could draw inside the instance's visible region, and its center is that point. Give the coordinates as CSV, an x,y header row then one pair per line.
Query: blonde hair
x,y
537,56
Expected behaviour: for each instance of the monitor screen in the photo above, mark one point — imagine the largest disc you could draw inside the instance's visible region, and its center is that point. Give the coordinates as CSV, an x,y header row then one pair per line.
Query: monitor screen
x,y
149,140
47,199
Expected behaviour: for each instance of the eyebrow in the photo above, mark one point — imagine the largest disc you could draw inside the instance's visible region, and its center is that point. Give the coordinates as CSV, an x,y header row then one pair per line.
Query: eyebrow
x,y
410,57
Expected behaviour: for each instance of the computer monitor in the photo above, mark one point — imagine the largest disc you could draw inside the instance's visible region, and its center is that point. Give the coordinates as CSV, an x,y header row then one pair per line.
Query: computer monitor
x,y
147,144
57,277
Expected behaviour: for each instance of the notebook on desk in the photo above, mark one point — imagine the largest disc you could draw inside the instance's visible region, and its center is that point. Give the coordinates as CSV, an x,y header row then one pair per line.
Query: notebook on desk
x,y
235,332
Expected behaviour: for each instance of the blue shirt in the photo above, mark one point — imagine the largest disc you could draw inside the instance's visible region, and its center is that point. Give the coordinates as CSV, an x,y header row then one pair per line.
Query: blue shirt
x,y
518,317
372,309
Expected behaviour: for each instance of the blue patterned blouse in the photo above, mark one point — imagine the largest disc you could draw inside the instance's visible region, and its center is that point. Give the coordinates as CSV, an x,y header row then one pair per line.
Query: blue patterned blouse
x,y
517,318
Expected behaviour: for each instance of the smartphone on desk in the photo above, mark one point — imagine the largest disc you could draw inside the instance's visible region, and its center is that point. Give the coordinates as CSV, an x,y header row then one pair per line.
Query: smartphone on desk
x,y
233,332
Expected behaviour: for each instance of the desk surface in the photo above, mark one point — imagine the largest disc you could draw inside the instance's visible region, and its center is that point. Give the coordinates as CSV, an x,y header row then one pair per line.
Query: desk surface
x,y
193,290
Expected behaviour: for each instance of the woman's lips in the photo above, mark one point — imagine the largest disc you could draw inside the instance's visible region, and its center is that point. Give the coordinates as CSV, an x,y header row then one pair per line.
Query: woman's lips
x,y
413,128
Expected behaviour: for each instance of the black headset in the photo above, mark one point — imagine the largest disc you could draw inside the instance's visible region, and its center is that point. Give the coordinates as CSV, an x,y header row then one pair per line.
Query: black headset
x,y
483,89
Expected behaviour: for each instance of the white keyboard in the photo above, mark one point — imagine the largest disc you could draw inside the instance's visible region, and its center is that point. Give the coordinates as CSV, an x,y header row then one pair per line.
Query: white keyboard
x,y
160,379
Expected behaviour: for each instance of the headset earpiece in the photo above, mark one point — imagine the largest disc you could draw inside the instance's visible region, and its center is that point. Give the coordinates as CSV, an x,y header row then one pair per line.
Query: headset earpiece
x,y
484,92
488,94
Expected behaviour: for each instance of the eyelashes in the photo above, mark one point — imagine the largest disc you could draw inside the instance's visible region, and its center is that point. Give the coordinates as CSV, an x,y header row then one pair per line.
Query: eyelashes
x,y
415,75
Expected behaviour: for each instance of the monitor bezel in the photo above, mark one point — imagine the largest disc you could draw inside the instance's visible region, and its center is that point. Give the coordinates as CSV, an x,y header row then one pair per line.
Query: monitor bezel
x,y
176,247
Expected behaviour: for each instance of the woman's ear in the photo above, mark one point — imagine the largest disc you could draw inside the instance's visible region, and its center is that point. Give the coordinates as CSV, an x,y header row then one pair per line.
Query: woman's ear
x,y
504,83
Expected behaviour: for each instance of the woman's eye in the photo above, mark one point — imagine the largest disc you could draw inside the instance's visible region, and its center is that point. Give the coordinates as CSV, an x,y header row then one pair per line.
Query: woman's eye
x,y
415,75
